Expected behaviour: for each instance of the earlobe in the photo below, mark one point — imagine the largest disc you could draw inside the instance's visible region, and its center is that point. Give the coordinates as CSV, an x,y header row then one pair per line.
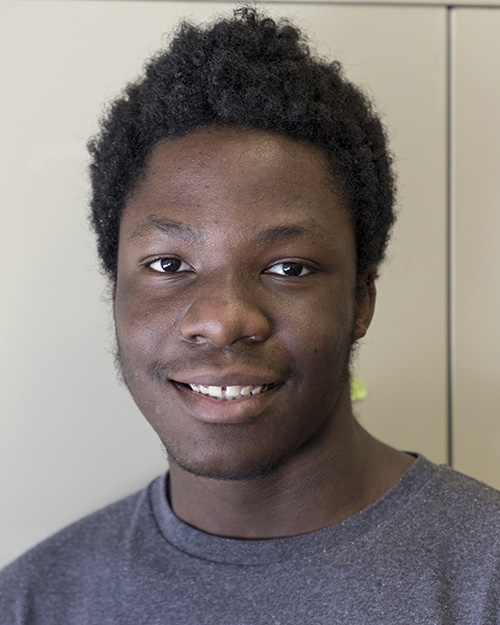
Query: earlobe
x,y
365,306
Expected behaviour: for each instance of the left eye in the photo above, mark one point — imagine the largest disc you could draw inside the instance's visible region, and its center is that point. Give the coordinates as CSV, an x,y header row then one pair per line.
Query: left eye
x,y
169,264
291,269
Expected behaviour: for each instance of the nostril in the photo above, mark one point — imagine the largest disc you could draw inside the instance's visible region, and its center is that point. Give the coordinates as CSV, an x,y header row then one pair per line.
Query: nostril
x,y
221,320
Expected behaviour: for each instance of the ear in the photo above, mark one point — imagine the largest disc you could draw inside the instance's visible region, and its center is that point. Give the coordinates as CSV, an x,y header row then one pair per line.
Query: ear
x,y
365,306
112,293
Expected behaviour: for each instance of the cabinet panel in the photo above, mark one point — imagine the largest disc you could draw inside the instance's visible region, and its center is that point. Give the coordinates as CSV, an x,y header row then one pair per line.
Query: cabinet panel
x,y
477,251
71,439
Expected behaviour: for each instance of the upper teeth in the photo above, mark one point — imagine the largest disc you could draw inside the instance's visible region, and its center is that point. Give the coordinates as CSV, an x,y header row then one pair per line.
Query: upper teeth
x,y
227,392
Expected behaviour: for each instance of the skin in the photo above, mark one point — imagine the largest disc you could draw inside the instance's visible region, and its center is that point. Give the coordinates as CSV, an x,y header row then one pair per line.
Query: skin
x,y
237,266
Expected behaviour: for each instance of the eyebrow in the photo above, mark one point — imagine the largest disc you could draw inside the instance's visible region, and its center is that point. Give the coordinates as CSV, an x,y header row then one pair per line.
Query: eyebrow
x,y
168,226
270,236
280,234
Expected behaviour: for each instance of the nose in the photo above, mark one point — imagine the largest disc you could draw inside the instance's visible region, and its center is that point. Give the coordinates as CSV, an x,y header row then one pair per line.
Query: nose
x,y
225,314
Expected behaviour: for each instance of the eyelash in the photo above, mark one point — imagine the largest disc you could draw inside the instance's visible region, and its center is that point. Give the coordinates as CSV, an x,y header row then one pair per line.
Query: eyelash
x,y
295,263
292,264
166,258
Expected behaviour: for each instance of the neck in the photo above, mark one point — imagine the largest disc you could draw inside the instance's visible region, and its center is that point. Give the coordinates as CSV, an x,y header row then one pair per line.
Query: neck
x,y
325,482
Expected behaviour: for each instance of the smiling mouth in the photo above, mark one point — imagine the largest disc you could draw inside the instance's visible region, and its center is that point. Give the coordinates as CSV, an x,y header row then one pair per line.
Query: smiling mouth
x,y
228,393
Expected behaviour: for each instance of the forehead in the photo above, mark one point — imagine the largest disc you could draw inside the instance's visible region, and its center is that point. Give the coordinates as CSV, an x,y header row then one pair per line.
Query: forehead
x,y
247,157
242,179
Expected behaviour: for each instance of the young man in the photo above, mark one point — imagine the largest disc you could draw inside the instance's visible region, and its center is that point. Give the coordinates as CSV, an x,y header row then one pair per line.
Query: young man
x,y
242,200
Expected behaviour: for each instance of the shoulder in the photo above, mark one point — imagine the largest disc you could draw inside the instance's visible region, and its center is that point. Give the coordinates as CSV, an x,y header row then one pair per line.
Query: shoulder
x,y
464,495
95,531
75,555
457,510
437,509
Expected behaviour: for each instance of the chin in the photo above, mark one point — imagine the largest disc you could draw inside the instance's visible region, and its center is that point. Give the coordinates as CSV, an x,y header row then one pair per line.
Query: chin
x,y
226,469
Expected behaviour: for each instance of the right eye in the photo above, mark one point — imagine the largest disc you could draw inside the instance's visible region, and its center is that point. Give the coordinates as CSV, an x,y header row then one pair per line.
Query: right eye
x,y
169,264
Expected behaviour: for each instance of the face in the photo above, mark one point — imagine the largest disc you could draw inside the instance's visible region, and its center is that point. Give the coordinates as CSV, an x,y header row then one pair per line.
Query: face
x,y
235,302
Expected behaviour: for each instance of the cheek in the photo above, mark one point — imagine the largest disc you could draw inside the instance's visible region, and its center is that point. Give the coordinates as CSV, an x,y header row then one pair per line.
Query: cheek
x,y
138,332
325,318
141,321
141,332
321,342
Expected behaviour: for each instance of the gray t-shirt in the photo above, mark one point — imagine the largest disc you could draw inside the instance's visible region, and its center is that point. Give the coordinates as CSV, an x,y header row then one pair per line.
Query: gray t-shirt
x,y
427,552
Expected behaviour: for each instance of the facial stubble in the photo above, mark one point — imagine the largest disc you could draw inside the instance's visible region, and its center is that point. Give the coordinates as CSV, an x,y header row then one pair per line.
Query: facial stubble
x,y
227,472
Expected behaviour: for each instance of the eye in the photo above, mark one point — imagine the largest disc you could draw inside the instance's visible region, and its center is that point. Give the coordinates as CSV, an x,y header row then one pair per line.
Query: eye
x,y
291,269
169,264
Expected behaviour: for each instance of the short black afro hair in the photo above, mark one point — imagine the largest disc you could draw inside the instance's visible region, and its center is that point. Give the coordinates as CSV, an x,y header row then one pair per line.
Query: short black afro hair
x,y
246,71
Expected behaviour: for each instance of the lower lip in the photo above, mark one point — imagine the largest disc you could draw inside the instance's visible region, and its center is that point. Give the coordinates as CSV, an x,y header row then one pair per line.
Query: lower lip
x,y
244,410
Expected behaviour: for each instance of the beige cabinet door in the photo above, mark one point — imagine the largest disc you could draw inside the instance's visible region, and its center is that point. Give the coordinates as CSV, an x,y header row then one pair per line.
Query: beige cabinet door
x,y
476,266
71,439
401,55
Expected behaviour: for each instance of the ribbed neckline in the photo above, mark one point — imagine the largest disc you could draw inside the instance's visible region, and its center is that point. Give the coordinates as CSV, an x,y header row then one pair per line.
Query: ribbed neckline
x,y
259,552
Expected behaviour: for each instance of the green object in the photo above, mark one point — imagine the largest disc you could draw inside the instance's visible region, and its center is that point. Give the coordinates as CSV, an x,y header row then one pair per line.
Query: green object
x,y
358,389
